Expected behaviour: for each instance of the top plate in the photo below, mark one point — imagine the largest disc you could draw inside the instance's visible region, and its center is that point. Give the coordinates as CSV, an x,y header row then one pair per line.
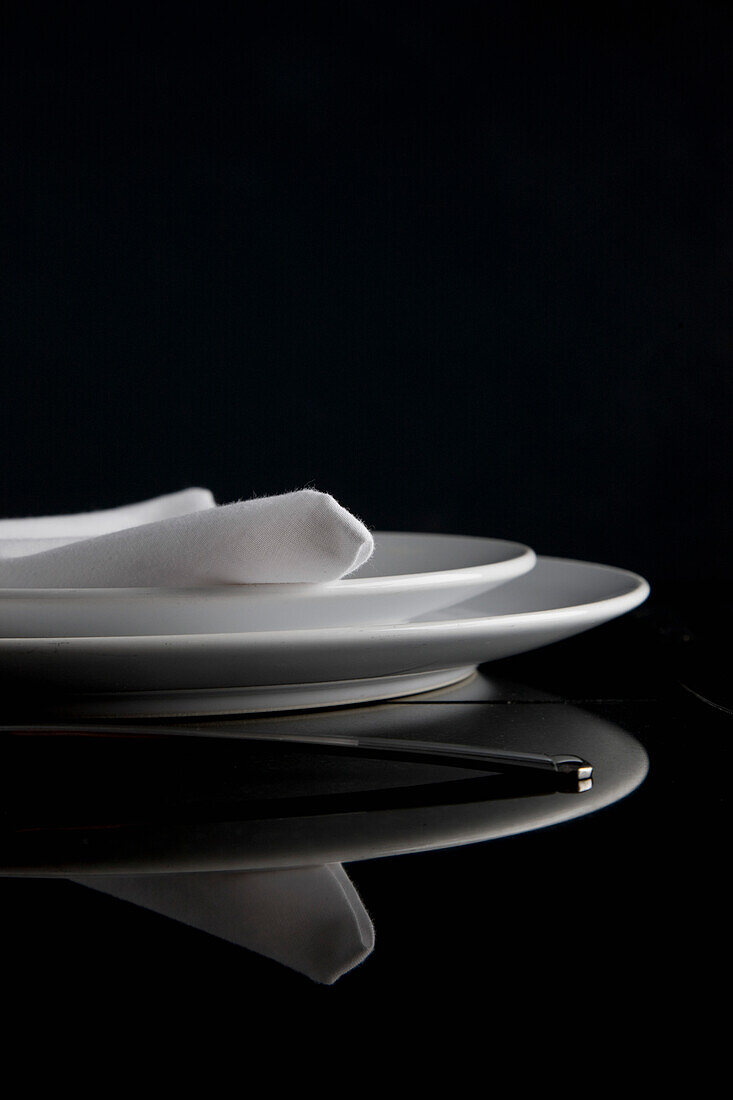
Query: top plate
x,y
408,575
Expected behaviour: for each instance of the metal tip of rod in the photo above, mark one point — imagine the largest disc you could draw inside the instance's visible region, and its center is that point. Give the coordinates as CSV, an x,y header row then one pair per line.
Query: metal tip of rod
x,y
573,765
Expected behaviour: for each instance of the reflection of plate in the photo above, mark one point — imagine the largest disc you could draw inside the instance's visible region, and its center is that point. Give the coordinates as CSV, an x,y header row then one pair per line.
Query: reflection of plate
x,y
407,576
86,804
277,670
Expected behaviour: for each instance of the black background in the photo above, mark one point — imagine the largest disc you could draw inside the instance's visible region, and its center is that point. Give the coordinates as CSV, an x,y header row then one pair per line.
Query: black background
x,y
465,266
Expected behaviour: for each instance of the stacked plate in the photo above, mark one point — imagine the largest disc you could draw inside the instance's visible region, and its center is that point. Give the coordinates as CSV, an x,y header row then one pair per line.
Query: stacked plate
x,y
421,614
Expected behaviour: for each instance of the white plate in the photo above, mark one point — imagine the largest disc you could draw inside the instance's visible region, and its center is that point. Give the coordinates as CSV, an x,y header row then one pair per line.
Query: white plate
x,y
408,575
283,670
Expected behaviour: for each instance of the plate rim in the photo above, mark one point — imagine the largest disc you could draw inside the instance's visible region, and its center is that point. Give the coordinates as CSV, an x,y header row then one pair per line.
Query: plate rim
x,y
625,601
523,556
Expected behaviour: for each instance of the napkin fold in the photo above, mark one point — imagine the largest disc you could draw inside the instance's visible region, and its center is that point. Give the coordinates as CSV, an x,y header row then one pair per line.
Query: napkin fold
x,y
309,919
185,540
90,524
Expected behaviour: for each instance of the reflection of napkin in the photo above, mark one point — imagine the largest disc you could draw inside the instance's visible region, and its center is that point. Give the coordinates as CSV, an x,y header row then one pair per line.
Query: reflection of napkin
x,y
309,919
184,540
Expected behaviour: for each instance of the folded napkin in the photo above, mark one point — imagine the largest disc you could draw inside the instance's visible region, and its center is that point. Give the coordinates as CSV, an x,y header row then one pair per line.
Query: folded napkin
x,y
183,540
310,919
89,524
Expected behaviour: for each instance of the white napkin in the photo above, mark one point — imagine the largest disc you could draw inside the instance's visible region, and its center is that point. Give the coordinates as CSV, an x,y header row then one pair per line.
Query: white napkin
x,y
310,919
89,524
184,540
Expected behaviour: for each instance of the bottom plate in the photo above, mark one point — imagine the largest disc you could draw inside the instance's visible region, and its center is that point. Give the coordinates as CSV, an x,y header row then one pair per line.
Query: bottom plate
x,y
254,700
283,670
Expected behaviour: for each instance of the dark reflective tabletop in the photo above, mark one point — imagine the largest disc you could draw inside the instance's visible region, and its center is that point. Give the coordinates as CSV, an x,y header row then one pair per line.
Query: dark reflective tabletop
x,y
304,789
606,873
